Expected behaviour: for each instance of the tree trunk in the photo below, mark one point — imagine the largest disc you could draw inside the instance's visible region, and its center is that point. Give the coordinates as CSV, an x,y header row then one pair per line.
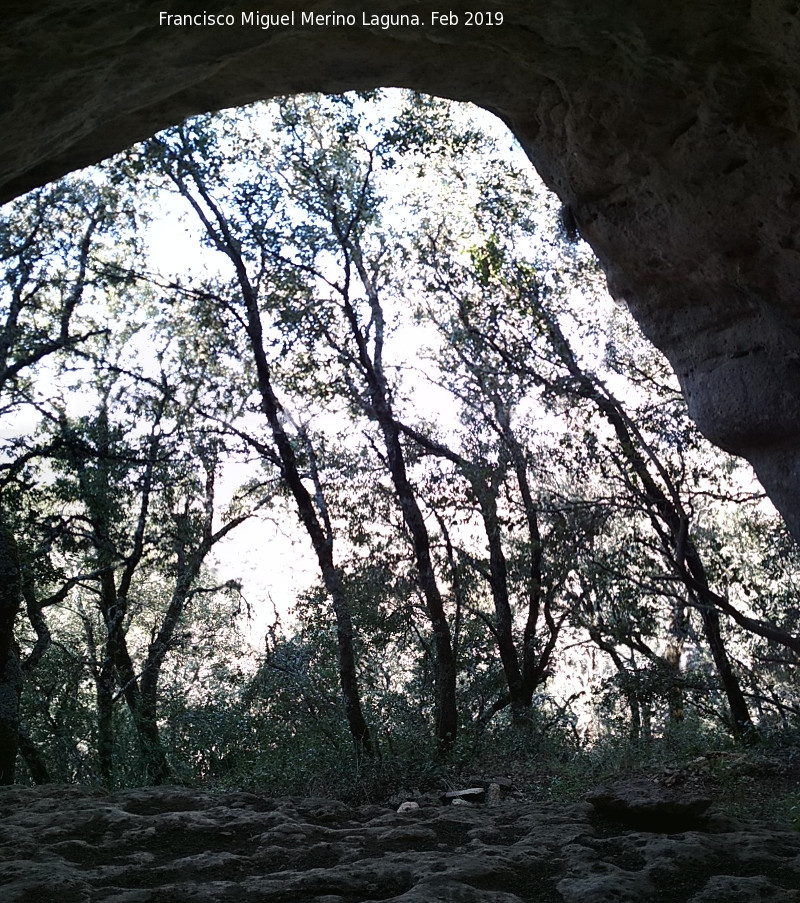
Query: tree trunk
x,y
104,692
446,671
372,371
485,489
322,543
34,759
665,508
741,722
104,686
10,692
534,664
10,669
153,759
323,548
498,570
673,652
348,676
636,716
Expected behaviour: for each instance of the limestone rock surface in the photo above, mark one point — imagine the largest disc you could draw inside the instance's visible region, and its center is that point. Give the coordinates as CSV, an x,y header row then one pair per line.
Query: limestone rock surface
x,y
76,845
647,803
670,130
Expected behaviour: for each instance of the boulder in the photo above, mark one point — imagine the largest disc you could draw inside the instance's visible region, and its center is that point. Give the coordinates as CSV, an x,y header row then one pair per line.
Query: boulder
x,y
650,804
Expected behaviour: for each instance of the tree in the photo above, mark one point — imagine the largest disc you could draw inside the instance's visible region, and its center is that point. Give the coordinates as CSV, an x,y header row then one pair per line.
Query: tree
x,y
487,472
50,244
190,159
138,476
506,302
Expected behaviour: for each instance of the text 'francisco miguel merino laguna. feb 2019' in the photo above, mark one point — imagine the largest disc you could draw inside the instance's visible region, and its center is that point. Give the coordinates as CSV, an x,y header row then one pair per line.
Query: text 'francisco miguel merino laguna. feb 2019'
x,y
328,20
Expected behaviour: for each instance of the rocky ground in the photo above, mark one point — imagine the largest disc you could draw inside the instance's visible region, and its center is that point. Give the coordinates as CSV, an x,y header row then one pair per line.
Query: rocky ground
x,y
643,840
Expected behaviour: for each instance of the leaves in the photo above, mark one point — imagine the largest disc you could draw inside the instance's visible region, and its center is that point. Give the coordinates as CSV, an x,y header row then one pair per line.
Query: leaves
x,y
382,329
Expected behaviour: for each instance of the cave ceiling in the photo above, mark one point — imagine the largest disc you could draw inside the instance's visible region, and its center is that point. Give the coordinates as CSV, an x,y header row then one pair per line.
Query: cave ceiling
x,y
670,130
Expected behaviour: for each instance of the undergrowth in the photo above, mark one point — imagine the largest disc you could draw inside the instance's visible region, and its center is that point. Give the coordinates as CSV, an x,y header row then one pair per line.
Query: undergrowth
x,y
761,781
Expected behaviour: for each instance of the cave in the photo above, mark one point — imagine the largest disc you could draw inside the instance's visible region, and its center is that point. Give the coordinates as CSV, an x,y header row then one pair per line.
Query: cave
x,y
669,132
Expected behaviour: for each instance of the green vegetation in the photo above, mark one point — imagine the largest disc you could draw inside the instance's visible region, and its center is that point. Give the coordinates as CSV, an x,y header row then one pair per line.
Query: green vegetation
x,y
527,559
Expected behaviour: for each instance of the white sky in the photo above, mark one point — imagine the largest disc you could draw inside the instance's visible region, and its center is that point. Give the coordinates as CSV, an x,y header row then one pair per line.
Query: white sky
x,y
274,561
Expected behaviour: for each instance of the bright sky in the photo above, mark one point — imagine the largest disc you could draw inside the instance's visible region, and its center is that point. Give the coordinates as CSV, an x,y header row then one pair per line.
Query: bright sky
x,y
274,560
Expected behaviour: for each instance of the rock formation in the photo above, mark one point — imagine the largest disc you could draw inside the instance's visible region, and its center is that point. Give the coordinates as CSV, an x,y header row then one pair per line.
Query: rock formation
x,y
669,130
650,805
73,844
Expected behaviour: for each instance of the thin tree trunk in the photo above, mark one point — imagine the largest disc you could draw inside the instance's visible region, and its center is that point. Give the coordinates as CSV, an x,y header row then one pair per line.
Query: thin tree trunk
x,y
498,570
371,364
104,686
104,694
10,668
634,706
672,656
152,757
534,665
486,491
446,671
34,759
741,722
672,526
446,668
321,542
10,693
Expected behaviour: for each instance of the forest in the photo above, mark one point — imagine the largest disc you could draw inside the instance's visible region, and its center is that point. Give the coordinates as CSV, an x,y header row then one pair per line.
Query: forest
x,y
361,323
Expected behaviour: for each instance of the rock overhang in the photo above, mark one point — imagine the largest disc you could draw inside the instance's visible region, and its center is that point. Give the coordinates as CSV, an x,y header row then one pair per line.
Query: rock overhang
x,y
670,131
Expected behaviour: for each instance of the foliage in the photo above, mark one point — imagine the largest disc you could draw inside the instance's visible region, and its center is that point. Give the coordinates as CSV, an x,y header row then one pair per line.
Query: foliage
x,y
526,553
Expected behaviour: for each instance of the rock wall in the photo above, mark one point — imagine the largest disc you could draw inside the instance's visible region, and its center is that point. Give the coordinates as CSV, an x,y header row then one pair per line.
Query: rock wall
x,y
669,129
